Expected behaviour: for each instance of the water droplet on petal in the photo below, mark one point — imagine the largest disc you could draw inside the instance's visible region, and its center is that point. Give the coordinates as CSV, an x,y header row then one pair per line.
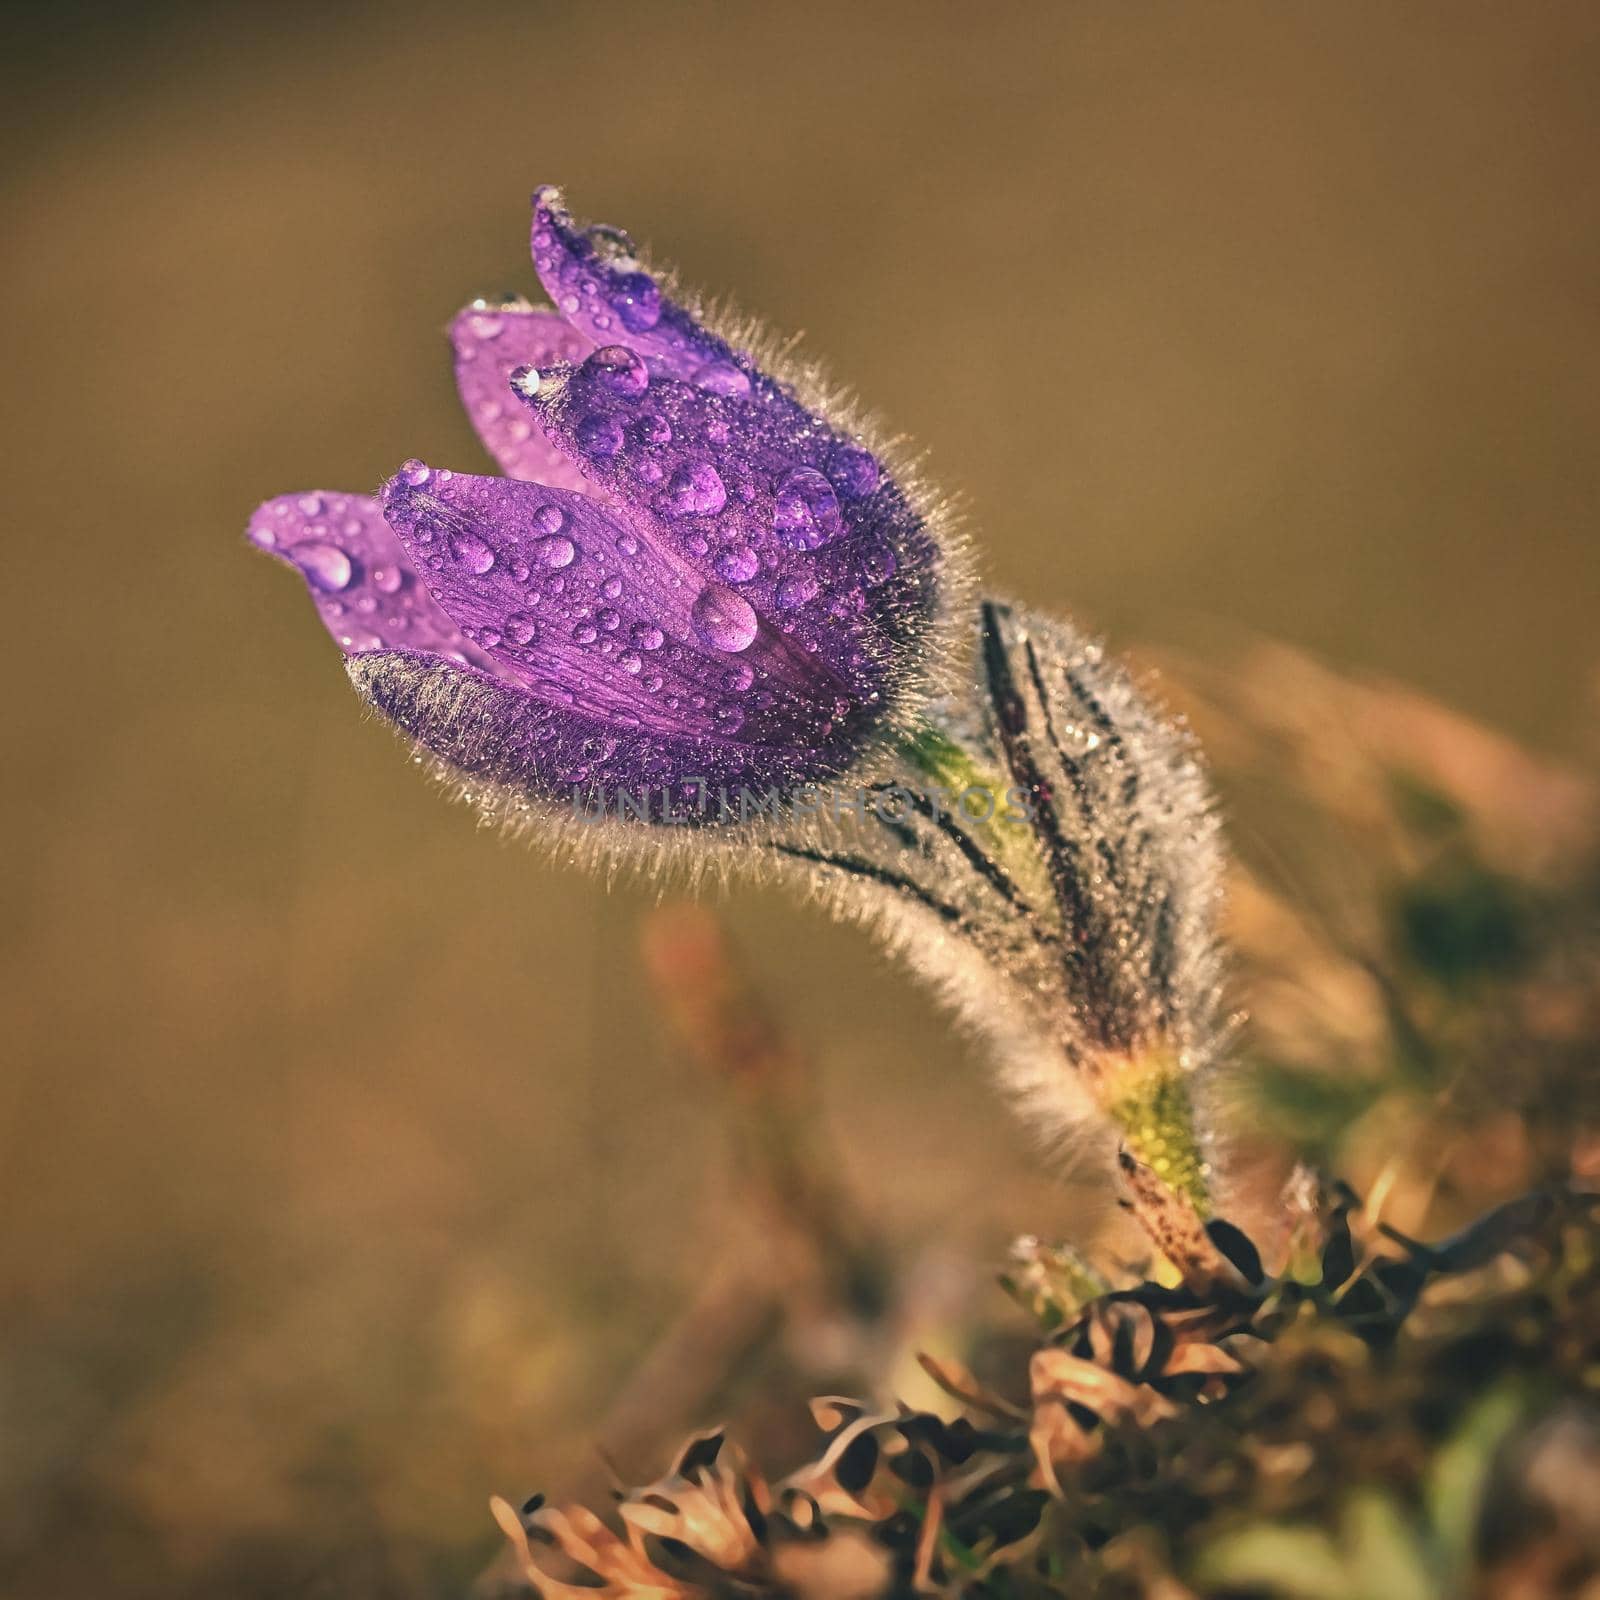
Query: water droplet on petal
x,y
630,661
725,620
525,380
612,588
647,636
618,369
854,471
738,564
486,325
805,510
325,565
878,563
556,551
549,519
638,301
521,629
652,429
598,435
739,676
311,504
415,473
608,619
720,377
471,552
694,490
584,633
795,590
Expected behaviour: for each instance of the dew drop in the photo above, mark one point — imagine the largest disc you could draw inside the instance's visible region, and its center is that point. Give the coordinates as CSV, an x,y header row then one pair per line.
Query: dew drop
x,y
608,619
556,551
415,473
387,580
805,510
326,566
854,471
694,490
469,551
647,636
630,661
725,620
521,629
585,633
739,676
738,564
525,380
652,429
627,544
486,325
721,377
619,370
598,435
549,519
878,563
311,504
795,590
637,301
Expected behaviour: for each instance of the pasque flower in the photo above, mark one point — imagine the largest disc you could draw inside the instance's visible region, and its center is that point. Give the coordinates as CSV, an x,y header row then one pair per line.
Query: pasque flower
x,y
698,577
689,579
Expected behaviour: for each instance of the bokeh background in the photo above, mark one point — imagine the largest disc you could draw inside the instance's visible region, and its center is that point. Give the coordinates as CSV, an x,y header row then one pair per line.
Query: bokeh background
x,y
348,1168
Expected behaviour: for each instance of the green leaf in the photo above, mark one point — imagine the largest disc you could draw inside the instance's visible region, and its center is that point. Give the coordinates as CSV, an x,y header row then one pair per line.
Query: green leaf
x,y
1388,1557
1456,1477
1296,1563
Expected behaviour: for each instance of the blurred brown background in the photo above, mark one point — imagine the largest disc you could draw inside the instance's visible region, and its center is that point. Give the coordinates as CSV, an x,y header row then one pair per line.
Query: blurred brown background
x,y
347,1167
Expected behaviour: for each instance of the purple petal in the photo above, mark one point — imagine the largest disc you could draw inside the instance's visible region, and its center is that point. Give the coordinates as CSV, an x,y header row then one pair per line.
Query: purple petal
x,y
486,728
761,494
491,341
599,285
583,610
362,581
724,463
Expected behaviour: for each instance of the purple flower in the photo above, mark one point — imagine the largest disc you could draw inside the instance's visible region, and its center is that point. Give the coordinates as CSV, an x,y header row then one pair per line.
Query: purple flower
x,y
689,576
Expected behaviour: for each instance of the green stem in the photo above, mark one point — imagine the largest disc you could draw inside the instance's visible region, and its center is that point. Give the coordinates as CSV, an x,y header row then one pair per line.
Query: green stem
x,y
1152,1108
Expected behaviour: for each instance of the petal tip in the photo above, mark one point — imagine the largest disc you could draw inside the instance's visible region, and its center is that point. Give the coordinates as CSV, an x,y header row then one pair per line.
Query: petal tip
x,y
550,200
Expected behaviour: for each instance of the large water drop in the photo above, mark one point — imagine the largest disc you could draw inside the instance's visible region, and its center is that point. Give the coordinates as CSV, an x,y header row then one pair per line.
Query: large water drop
x,y
469,551
805,510
326,566
725,620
